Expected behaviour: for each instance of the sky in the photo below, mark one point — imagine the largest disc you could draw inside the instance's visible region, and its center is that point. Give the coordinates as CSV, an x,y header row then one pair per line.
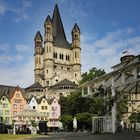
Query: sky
x,y
108,27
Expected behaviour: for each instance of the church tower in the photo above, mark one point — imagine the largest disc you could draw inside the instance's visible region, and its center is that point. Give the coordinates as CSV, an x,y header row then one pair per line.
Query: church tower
x,y
76,50
38,55
48,52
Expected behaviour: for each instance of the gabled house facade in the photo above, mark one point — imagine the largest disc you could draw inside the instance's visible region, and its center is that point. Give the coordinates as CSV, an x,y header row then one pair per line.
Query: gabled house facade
x,y
32,103
18,101
43,106
55,113
5,110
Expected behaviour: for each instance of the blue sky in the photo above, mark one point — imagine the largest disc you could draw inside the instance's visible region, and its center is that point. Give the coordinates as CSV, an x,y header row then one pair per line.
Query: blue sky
x,y
107,28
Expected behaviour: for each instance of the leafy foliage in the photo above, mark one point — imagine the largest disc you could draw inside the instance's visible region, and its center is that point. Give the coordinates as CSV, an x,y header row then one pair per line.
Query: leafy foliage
x,y
93,73
67,122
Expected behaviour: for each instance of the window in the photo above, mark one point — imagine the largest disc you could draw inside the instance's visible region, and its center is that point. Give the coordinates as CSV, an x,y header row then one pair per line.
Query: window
x,y
15,106
52,107
68,68
34,107
45,107
47,71
7,112
75,75
5,105
47,82
55,66
56,80
21,106
17,95
61,56
15,112
17,101
39,61
55,55
49,48
67,57
42,107
61,67
3,98
7,119
75,55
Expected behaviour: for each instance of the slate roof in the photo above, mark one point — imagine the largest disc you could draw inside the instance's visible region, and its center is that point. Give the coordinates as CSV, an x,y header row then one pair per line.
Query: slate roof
x,y
9,91
58,30
48,20
76,28
38,36
35,85
65,82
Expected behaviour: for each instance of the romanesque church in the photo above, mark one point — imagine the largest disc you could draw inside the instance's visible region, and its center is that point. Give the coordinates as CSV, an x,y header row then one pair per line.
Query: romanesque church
x,y
57,62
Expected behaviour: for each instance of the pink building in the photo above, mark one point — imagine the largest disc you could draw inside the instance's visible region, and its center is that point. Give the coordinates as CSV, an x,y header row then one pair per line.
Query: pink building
x,y
18,101
55,112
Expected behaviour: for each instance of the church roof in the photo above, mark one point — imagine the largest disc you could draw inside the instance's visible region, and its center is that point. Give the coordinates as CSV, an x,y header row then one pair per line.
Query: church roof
x,y
48,20
35,85
38,36
58,30
76,28
65,82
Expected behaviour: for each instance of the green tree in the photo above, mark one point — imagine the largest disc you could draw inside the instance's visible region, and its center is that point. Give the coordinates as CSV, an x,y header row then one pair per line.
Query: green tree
x,y
67,121
93,73
133,117
84,120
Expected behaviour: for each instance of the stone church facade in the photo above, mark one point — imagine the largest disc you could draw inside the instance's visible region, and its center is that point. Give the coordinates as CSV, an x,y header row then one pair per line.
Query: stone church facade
x,y
57,62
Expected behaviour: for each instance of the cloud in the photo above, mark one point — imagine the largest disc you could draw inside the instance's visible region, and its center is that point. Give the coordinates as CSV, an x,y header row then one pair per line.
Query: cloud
x,y
21,12
106,51
130,30
16,65
18,75
114,23
22,48
22,17
3,9
4,47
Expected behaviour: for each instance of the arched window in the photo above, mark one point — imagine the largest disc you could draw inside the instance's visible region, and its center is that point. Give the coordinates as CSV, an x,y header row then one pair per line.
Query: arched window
x,y
55,55
68,57
49,48
39,60
75,55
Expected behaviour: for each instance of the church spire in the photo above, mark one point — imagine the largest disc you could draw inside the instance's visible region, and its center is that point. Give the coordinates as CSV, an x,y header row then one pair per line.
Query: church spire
x,y
38,36
48,20
58,29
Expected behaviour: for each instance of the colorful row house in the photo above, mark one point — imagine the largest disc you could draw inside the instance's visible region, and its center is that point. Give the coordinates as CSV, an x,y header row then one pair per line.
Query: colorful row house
x,y
5,110
16,107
